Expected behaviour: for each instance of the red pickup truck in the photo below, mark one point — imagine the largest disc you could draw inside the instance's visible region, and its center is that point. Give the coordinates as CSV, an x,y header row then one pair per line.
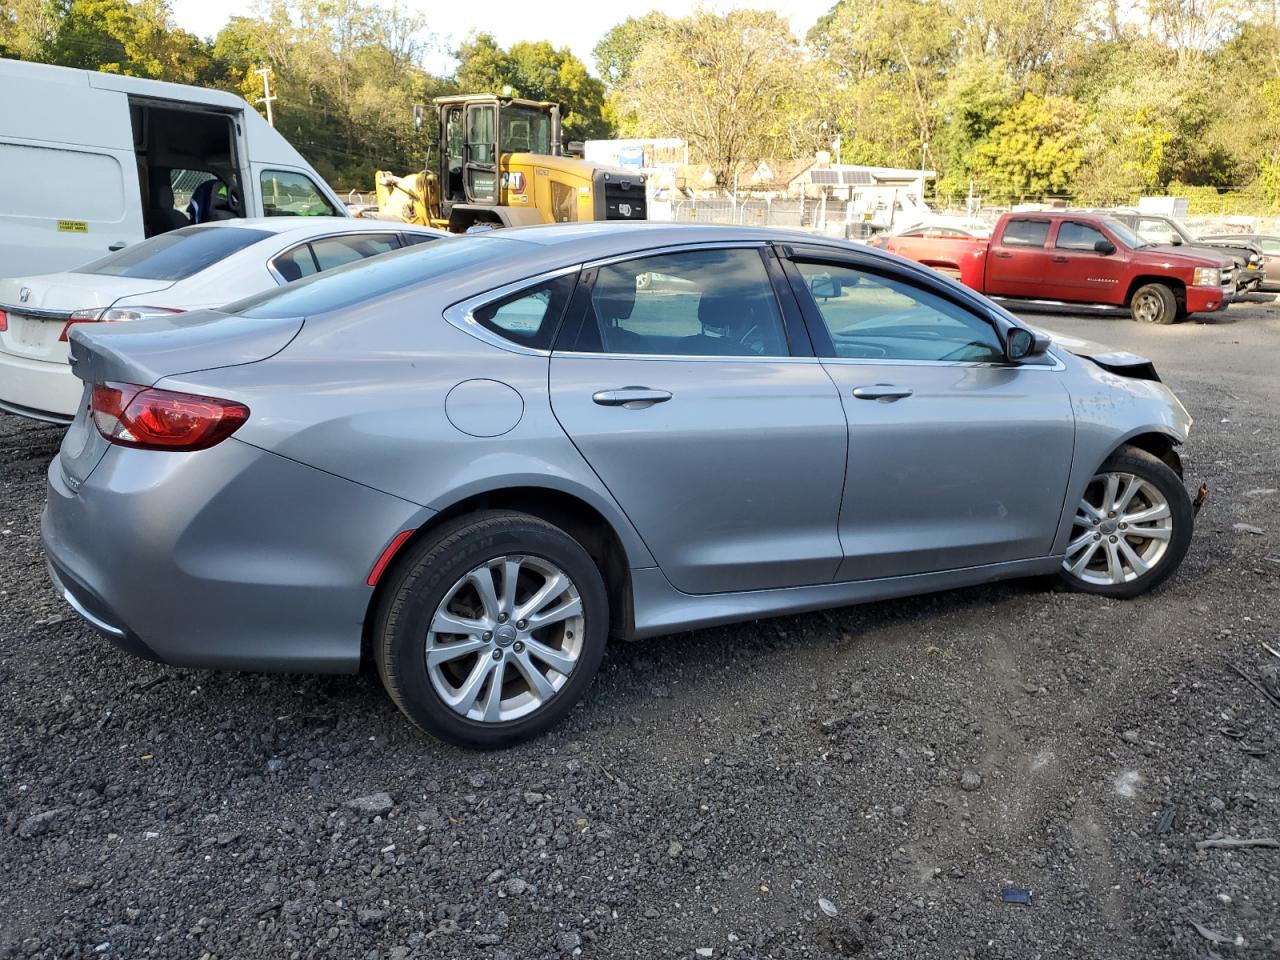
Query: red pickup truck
x,y
1078,258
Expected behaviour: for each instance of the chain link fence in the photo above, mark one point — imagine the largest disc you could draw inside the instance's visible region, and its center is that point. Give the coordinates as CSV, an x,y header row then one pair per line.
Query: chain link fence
x,y
835,218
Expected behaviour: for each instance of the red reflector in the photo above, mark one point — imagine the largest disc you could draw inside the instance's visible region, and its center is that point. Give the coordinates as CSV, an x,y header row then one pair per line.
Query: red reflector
x,y
388,555
135,416
4,321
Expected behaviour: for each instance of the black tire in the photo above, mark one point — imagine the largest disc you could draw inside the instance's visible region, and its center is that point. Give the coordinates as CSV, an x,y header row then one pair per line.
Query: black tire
x,y
420,581
1153,303
1139,463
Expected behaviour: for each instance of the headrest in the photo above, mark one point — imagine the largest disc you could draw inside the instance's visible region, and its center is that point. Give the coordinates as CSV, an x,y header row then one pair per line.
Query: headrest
x,y
614,294
720,313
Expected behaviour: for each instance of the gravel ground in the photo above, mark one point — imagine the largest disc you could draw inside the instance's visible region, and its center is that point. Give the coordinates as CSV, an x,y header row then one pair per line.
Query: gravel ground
x,y
857,783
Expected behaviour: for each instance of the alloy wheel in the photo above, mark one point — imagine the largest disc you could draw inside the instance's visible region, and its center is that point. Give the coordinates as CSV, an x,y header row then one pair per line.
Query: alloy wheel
x,y
505,638
1121,531
1146,307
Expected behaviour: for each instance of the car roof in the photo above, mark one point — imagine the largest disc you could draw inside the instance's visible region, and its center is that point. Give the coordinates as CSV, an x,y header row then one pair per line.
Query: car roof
x,y
317,225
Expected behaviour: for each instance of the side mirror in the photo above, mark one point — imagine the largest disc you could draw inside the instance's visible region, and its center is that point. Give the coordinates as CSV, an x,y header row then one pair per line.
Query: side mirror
x,y
1175,240
1104,247
824,288
1020,343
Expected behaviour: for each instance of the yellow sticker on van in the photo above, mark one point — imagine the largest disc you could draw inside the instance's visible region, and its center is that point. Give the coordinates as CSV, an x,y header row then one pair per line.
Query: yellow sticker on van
x,y
73,226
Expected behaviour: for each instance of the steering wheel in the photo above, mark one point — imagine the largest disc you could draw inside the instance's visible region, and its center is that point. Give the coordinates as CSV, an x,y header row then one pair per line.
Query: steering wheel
x,y
235,200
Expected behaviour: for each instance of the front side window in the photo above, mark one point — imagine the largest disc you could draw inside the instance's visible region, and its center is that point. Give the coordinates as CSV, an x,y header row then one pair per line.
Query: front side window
x,y
333,252
697,303
1270,246
1078,236
530,317
1025,233
288,194
175,255
872,317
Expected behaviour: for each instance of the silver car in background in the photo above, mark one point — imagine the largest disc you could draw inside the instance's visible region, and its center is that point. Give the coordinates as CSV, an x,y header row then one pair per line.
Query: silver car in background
x,y
473,461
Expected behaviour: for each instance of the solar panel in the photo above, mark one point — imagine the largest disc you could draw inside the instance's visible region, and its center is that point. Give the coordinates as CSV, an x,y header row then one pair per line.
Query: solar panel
x,y
825,178
856,178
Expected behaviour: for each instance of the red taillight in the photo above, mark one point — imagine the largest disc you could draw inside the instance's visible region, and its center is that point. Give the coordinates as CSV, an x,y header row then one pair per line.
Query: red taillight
x,y
135,416
4,321
112,315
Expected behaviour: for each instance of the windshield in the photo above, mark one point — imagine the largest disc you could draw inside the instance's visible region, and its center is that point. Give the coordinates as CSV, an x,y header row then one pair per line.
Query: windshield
x,y
175,255
525,130
364,280
1124,234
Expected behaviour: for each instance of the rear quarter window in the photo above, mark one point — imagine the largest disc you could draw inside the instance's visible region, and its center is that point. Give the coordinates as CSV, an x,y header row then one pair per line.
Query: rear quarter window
x,y
175,255
1025,233
367,279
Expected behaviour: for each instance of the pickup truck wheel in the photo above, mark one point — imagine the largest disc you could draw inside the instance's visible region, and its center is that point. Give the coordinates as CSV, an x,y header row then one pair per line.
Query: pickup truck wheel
x,y
1154,303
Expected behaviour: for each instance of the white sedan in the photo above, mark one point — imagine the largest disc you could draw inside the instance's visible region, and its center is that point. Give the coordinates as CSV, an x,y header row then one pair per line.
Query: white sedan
x,y
186,269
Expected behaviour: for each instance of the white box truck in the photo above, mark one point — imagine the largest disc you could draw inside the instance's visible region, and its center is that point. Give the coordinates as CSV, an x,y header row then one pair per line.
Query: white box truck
x,y
91,162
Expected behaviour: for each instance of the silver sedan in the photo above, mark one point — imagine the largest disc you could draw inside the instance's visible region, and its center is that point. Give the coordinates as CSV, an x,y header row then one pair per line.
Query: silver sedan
x,y
472,462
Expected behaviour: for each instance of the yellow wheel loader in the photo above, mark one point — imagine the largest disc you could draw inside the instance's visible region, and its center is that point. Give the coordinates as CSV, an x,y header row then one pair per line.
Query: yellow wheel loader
x,y
501,164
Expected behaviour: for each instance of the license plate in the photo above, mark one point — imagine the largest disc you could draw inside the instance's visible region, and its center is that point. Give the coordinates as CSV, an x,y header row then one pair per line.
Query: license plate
x,y
33,331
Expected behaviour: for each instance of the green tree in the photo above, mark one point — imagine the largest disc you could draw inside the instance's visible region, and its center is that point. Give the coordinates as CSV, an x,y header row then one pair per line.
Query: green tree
x,y
723,83
1035,149
618,49
977,92
536,70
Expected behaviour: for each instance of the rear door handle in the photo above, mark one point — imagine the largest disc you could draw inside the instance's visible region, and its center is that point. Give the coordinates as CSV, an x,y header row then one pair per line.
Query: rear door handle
x,y
885,392
1003,255
1061,260
634,398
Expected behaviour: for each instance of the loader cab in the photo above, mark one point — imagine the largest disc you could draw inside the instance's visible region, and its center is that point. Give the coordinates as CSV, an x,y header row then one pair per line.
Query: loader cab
x,y
476,131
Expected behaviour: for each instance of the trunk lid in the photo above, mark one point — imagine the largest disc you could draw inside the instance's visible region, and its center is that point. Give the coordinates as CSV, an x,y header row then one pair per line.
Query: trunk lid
x,y
38,308
145,351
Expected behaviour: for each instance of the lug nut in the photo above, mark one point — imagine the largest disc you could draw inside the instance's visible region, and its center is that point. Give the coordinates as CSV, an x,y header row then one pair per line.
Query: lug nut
x,y
497,654
1097,536
488,634
502,618
521,624
1113,539
1124,526
518,647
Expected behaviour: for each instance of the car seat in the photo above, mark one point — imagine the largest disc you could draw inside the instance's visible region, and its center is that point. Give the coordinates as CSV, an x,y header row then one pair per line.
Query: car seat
x,y
210,202
614,298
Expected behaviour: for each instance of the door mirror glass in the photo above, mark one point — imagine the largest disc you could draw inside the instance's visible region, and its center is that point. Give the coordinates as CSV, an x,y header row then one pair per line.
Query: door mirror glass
x,y
1175,239
824,287
1104,247
1018,343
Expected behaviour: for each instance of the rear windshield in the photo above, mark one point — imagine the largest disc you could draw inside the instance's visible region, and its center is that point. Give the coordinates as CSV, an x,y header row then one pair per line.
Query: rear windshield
x,y
365,279
175,255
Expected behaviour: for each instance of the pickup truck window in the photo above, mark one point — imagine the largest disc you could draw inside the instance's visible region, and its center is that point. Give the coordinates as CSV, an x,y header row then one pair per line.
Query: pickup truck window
x,y
1077,236
872,317
1025,233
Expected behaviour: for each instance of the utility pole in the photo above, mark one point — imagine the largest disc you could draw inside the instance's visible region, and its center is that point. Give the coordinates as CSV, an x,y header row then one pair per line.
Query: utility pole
x,y
267,98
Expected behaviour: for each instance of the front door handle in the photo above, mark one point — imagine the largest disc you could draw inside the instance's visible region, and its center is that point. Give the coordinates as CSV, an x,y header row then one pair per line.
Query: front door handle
x,y
118,245
884,392
1003,255
633,398
1061,260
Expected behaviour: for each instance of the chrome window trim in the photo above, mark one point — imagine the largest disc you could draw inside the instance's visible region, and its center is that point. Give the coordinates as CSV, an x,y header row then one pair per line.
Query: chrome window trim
x,y
694,357
462,314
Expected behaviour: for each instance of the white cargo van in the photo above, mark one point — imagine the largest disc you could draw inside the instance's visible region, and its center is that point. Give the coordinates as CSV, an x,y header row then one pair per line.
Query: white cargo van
x,y
91,162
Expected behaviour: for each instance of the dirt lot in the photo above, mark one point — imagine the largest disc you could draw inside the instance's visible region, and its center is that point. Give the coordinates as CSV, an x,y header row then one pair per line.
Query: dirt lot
x,y
858,783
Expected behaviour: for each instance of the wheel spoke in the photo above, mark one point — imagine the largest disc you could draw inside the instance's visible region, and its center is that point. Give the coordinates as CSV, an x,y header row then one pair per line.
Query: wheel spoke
x,y
539,685
1079,543
443,653
1157,512
570,608
1127,494
552,588
1090,512
1136,562
446,622
1112,486
510,577
466,694
1083,560
1114,568
1149,533
553,658
492,710
482,580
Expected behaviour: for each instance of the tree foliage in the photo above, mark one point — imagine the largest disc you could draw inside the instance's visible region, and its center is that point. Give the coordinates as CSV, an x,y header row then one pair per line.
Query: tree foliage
x,y
1102,100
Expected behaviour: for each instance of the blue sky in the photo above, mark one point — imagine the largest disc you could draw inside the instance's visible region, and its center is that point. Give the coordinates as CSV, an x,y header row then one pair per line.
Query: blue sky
x,y
578,25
